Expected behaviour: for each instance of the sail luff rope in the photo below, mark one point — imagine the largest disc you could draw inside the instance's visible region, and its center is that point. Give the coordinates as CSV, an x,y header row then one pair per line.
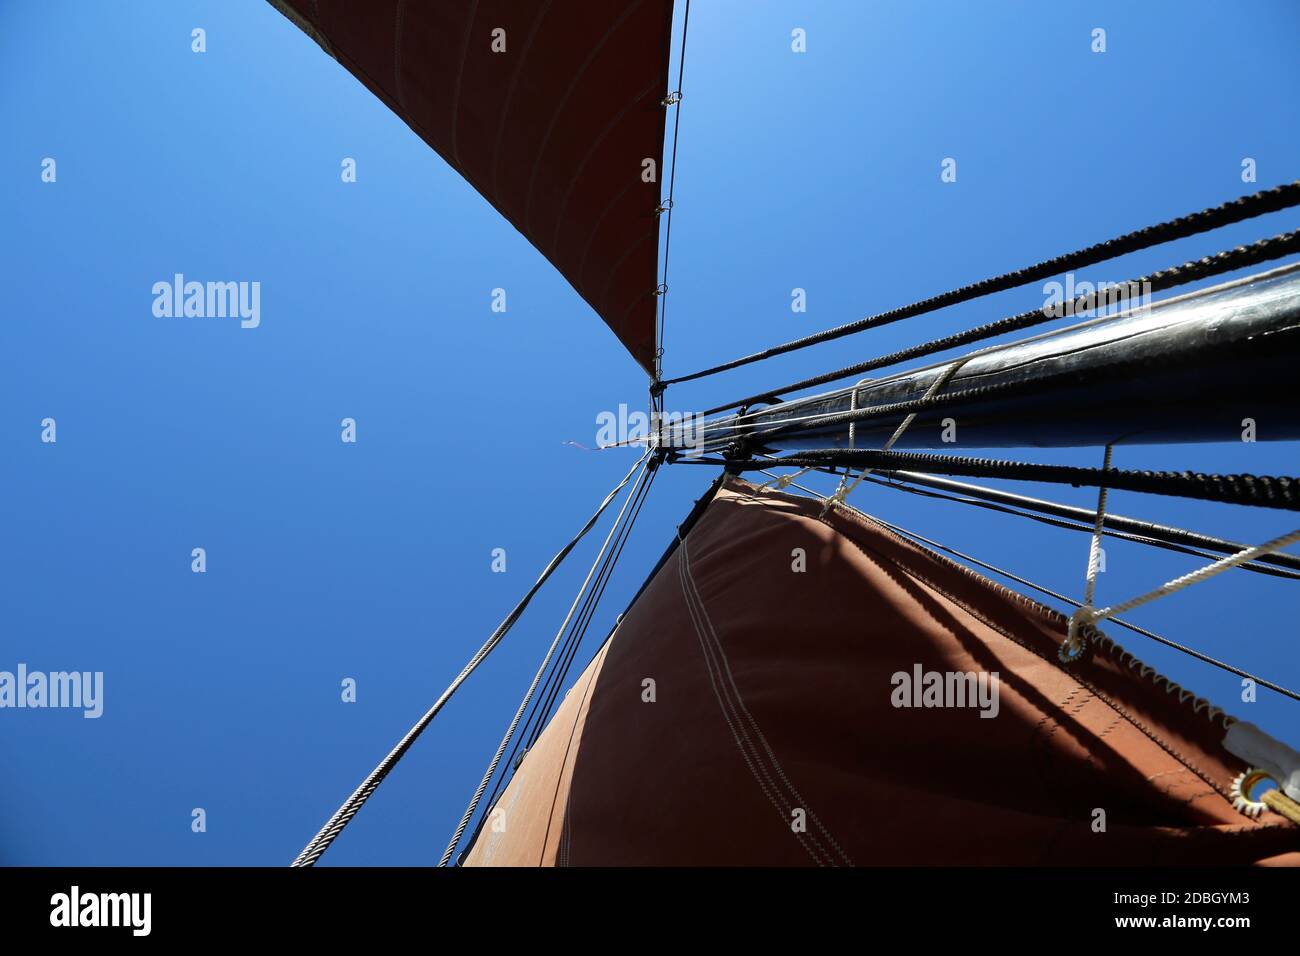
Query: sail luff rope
x,y
344,814
1204,658
1237,210
537,679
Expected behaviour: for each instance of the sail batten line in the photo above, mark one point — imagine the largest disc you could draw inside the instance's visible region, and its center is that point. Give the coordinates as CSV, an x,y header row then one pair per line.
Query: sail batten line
x,y
1234,211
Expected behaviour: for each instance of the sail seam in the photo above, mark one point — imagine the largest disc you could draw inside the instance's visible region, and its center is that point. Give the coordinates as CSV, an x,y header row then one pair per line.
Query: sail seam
x,y
724,670
1043,611
764,781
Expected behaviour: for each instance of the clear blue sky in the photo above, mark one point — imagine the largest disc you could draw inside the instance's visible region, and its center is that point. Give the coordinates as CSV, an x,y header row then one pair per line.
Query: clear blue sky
x,y
371,561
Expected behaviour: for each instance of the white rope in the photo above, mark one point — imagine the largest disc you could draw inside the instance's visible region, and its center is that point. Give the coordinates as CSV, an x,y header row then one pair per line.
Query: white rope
x,y
1073,643
843,491
1087,615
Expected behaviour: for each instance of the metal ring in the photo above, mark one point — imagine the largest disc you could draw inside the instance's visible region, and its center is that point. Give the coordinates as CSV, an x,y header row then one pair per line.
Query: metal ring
x,y
1242,787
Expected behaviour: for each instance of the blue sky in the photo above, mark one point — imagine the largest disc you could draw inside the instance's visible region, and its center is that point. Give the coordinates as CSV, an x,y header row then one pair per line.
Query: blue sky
x,y
372,560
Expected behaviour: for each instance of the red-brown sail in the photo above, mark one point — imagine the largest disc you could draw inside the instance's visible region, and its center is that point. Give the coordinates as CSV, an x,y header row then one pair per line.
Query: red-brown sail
x,y
549,110
774,735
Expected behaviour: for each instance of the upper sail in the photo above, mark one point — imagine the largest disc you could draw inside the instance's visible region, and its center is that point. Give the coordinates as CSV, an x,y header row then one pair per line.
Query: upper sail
x,y
549,110
777,729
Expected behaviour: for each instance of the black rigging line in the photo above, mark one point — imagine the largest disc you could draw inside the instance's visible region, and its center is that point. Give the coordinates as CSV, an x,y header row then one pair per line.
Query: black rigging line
x,y
1263,491
1237,210
1205,658
1074,526
344,814
538,710
672,183
579,632
1066,378
1060,597
1263,250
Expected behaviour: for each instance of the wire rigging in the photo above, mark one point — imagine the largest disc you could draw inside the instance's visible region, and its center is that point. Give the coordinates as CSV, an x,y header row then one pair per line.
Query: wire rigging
x,y
546,660
672,184
344,814
1204,658
1264,491
540,707
1109,532
1236,210
1193,270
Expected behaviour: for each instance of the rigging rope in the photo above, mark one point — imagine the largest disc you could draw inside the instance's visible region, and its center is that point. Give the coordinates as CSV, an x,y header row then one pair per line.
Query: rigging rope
x,y
344,814
528,695
672,183
1123,369
1237,210
1263,250
541,710
1068,525
843,491
1264,491
1204,658
1090,615
1074,642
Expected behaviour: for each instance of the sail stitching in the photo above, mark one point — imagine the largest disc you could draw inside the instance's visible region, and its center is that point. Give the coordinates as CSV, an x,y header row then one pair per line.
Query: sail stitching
x,y
764,781
564,101
725,668
727,672
1047,613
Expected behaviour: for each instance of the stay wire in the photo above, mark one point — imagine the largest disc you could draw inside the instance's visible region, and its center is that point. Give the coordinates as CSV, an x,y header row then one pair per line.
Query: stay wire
x,y
1074,526
523,704
672,185
578,627
1193,270
322,841
1204,658
1236,210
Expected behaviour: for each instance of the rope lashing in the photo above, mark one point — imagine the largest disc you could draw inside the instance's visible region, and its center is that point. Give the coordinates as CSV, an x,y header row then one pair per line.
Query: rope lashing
x,y
344,814
1088,615
1237,210
843,491
1073,647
